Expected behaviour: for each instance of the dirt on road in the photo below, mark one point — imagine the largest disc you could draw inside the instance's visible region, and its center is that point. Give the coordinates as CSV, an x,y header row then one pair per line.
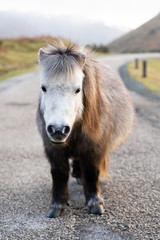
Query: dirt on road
x,y
131,193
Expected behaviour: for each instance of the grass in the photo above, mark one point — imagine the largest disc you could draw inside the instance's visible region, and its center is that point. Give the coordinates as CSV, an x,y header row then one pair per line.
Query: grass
x,y
152,81
18,56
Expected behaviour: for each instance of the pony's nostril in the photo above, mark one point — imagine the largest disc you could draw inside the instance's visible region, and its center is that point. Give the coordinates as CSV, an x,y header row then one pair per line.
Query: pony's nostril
x,y
51,129
66,130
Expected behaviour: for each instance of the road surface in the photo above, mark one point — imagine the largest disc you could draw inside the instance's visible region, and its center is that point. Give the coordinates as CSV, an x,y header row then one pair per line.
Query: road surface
x,y
131,193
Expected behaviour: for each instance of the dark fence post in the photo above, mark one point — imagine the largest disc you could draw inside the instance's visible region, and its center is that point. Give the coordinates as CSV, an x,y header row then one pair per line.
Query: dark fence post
x,y
144,74
136,63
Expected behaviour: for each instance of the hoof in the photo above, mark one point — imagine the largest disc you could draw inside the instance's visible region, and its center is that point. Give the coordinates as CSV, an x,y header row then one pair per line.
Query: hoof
x,y
98,209
79,181
95,205
54,212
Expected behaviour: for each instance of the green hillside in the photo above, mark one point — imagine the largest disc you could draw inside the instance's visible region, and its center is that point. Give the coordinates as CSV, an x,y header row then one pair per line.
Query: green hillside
x,y
19,55
146,38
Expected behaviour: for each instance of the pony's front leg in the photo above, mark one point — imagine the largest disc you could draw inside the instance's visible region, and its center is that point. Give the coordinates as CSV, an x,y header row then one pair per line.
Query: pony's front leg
x,y
90,173
60,175
76,173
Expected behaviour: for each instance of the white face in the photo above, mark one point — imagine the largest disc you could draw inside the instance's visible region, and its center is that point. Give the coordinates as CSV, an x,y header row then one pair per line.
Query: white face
x,y
61,104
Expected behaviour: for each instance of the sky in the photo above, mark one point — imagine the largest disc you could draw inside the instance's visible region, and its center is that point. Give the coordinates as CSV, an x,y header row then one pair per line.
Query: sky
x,y
122,14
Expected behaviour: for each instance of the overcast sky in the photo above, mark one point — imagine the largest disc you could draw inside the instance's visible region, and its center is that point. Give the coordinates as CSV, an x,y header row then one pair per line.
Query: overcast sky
x,y
124,14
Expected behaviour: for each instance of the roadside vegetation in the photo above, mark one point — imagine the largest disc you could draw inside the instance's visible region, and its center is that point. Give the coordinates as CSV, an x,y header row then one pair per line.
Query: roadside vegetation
x,y
100,49
152,81
18,56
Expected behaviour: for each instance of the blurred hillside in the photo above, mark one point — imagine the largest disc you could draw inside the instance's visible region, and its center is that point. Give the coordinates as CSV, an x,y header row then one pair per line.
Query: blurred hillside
x,y
146,38
16,24
19,55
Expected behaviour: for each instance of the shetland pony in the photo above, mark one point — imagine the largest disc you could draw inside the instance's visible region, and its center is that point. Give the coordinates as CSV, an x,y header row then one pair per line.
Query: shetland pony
x,y
84,113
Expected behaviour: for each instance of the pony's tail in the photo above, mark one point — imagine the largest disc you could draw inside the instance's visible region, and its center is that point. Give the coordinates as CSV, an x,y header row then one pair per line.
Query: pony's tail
x,y
104,166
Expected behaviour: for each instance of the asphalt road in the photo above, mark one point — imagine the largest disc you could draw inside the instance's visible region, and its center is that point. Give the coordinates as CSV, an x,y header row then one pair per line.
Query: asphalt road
x,y
131,193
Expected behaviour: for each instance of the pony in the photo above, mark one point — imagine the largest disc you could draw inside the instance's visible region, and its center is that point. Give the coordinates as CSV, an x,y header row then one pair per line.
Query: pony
x,y
84,113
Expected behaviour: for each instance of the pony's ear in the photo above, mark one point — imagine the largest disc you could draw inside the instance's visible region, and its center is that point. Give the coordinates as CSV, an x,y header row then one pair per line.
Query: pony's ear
x,y
41,55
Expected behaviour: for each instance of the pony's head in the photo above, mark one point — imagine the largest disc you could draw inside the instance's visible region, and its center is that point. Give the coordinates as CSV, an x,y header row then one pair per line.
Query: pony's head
x,y
61,100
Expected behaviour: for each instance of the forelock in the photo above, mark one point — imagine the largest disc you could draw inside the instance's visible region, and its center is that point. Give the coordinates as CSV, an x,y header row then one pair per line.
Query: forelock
x,y
62,58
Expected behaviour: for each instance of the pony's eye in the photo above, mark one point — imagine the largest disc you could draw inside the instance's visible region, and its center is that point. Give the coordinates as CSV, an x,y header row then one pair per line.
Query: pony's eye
x,y
44,89
78,90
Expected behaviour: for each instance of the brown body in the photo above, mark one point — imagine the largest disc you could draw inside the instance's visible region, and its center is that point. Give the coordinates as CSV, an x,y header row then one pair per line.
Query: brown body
x,y
107,120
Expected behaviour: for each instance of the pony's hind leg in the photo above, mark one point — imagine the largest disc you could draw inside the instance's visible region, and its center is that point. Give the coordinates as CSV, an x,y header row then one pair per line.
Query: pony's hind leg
x,y
76,171
91,172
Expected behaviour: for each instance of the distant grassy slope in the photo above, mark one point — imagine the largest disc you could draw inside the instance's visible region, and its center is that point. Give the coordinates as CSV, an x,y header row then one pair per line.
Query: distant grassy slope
x,y
19,55
146,38
152,81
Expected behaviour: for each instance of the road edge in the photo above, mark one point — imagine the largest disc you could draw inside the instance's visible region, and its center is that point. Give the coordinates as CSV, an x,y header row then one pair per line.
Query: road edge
x,y
17,79
133,85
